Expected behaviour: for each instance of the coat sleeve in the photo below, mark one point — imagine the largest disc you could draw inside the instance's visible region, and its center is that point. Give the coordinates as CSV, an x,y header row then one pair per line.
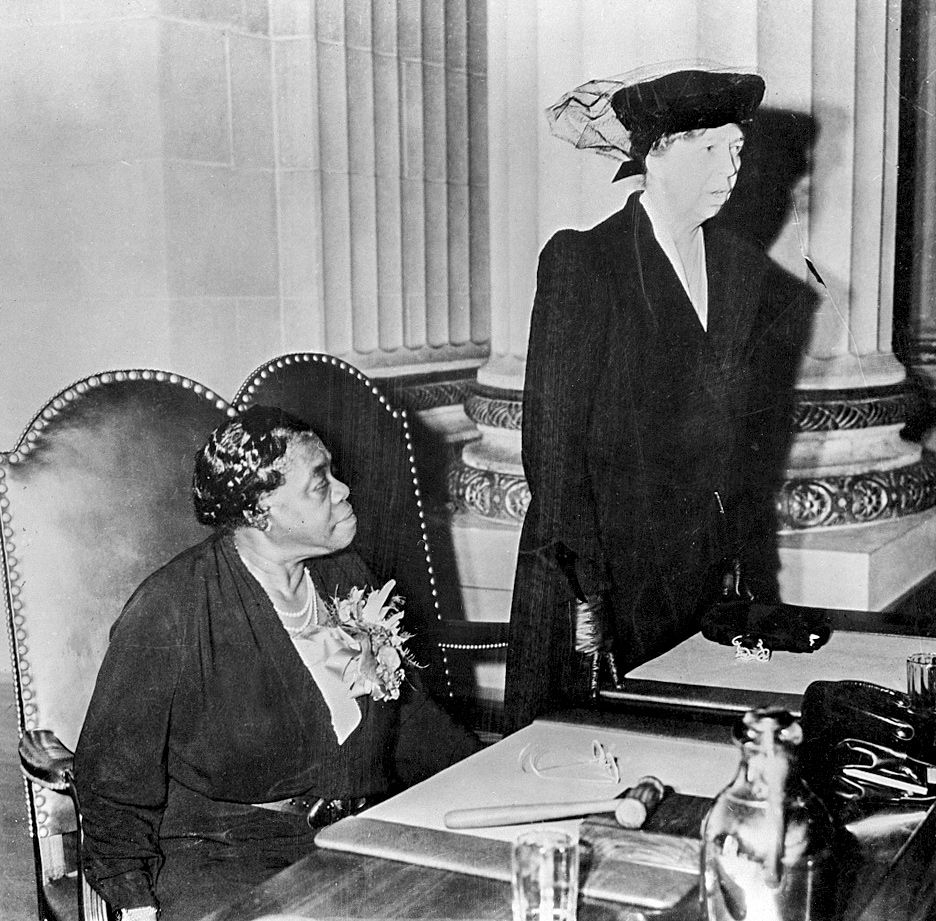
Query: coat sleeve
x,y
428,739
120,760
565,358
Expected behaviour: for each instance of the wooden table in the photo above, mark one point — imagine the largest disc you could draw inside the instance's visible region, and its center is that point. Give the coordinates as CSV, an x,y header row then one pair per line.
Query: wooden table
x,y
899,886
332,885
895,882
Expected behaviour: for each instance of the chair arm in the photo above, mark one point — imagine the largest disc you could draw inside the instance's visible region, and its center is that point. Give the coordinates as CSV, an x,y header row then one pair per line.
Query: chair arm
x,y
46,761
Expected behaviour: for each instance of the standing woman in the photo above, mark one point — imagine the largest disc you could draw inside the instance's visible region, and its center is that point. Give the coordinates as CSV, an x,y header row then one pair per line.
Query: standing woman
x,y
645,415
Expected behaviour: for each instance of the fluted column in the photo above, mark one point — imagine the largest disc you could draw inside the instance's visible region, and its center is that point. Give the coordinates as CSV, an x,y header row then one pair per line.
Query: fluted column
x,y
848,239
849,464
919,250
382,179
488,480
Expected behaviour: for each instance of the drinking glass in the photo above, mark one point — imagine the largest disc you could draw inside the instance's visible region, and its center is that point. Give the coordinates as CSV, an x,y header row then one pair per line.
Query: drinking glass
x,y
545,870
921,681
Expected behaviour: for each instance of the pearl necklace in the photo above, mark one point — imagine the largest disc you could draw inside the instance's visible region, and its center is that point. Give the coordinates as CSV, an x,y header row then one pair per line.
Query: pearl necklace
x,y
309,611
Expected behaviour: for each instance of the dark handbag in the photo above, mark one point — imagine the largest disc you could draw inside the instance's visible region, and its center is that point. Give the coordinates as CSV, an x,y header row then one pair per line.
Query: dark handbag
x,y
864,744
774,627
729,615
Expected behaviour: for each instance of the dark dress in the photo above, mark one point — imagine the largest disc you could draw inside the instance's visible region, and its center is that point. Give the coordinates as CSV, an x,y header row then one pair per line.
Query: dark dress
x,y
634,416
202,707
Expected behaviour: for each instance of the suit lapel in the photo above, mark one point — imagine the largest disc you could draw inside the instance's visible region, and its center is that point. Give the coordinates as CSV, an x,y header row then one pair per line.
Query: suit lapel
x,y
630,247
645,278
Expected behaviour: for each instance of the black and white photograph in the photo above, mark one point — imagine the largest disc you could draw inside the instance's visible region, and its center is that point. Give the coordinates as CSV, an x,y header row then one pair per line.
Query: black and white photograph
x,y
468,460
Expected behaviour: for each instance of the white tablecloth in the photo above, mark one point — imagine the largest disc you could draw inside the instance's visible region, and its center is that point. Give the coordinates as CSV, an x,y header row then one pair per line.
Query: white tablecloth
x,y
551,762
878,658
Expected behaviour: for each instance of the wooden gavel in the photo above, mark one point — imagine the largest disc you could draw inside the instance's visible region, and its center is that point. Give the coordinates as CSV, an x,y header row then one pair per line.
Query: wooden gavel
x,y
630,809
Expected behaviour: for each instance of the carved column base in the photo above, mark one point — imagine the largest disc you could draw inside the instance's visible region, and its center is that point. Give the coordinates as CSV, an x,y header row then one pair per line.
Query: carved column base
x,y
489,495
487,479
856,511
857,508
498,496
862,498
849,464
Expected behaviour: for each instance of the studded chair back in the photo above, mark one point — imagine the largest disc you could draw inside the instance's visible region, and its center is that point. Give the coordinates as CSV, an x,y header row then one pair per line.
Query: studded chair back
x,y
372,453
95,496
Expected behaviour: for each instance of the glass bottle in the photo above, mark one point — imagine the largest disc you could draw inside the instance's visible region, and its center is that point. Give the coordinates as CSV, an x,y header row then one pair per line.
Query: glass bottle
x,y
767,840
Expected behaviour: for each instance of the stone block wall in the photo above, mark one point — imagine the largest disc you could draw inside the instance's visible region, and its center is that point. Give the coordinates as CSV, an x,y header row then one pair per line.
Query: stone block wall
x,y
199,186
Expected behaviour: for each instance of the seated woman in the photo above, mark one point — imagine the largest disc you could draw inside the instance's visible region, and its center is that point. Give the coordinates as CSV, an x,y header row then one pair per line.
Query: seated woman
x,y
222,732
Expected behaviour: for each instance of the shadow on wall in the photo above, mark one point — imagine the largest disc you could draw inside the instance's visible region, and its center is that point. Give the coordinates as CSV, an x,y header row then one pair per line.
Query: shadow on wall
x,y
434,458
777,154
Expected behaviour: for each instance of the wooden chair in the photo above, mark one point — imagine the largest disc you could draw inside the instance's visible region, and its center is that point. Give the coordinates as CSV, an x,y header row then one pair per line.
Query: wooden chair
x,y
95,495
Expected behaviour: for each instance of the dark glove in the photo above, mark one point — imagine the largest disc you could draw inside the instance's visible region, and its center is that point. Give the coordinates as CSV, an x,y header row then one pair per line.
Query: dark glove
x,y
864,747
591,623
724,584
836,710
592,637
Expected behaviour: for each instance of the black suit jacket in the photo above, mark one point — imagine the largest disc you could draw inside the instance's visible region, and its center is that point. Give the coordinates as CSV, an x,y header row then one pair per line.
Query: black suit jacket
x,y
634,416
201,685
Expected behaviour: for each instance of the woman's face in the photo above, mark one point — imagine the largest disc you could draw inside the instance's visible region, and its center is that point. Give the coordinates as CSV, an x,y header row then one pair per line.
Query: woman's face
x,y
309,512
696,174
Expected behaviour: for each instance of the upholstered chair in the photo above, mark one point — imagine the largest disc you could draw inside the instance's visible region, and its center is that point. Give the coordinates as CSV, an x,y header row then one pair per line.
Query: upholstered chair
x,y
95,495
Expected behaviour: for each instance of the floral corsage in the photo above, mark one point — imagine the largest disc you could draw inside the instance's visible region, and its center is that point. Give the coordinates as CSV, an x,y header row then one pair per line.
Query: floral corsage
x,y
371,619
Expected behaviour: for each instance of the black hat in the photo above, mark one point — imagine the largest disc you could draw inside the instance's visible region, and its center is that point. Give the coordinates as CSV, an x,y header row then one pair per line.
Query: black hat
x,y
686,100
623,117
